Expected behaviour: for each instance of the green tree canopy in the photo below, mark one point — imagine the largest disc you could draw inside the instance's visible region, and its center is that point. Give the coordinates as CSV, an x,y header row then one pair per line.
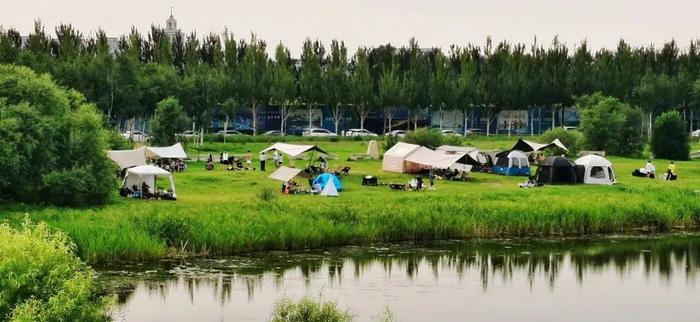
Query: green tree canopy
x,y
53,143
669,139
170,119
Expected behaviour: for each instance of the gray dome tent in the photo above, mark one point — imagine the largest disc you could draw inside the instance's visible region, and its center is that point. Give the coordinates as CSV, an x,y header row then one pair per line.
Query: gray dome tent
x,y
556,170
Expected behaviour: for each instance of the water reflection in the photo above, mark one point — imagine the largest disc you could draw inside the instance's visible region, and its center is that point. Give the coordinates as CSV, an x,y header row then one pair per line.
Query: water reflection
x,y
405,275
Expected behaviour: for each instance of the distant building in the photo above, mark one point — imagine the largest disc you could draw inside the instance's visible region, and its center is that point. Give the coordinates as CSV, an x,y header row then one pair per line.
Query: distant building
x,y
171,26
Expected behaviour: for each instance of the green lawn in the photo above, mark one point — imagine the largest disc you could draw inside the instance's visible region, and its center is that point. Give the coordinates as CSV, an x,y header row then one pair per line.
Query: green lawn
x,y
218,212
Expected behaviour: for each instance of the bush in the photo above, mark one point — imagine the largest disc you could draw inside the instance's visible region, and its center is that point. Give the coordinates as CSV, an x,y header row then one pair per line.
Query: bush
x,y
426,137
453,140
669,139
42,280
610,125
267,194
308,310
573,140
53,143
389,142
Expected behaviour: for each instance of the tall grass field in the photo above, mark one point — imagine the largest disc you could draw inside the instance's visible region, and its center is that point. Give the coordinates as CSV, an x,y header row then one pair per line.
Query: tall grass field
x,y
221,212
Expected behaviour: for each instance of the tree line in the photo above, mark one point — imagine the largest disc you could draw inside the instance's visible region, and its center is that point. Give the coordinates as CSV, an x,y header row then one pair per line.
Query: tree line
x,y
217,75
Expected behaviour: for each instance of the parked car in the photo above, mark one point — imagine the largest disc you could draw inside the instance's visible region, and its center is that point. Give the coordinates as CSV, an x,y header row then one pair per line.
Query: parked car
x,y
359,132
273,133
187,134
397,133
229,132
450,132
571,128
476,132
695,134
136,136
317,132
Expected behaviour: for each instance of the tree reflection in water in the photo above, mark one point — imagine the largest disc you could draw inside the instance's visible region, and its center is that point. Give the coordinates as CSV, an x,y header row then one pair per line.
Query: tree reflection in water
x,y
662,256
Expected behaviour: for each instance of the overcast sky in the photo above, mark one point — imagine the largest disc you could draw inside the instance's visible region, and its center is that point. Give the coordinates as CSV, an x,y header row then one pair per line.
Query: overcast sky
x,y
434,23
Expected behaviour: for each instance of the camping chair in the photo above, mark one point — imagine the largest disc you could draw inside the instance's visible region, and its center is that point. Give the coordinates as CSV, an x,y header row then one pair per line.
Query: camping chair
x,y
342,172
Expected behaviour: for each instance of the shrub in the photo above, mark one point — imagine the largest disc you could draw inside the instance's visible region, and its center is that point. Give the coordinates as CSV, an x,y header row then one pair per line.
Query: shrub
x,y
453,140
48,135
389,141
173,230
610,125
267,194
42,280
669,139
430,138
308,310
573,140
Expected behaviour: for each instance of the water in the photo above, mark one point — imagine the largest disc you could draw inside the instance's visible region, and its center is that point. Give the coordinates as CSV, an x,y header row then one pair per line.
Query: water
x,y
609,279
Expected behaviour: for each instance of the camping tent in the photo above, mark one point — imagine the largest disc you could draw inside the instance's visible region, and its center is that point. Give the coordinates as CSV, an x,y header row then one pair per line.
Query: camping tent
x,y
395,158
529,146
511,163
168,152
329,190
596,170
293,150
324,178
556,170
128,158
284,174
424,158
474,156
148,174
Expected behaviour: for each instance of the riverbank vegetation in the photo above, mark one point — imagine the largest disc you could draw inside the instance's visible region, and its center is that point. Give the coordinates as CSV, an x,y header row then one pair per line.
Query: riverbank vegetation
x,y
219,212
43,280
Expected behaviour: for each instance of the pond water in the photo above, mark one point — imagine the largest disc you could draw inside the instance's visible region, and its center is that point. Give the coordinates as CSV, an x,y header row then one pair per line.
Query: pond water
x,y
653,278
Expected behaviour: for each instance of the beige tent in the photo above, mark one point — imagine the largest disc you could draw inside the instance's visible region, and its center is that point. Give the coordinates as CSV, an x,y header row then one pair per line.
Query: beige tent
x,y
395,158
168,152
284,174
128,158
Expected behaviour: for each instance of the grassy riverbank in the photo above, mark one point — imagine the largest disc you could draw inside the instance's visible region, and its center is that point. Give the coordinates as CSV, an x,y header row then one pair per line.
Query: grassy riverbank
x,y
218,212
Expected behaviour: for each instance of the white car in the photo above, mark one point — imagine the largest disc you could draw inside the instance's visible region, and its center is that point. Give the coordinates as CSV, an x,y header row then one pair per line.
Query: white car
x,y
450,132
397,133
229,132
316,132
359,132
136,136
695,134
187,134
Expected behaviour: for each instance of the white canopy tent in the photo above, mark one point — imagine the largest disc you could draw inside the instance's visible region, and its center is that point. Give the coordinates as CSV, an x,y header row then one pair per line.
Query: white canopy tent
x,y
293,150
597,170
128,158
148,174
284,174
168,152
395,158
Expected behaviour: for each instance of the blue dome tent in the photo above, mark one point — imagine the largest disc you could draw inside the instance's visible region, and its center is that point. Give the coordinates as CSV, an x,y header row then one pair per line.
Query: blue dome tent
x,y
512,163
323,178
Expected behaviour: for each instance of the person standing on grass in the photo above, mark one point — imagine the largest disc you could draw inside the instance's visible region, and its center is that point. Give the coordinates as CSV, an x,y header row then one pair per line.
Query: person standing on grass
x,y
249,160
671,173
263,158
651,169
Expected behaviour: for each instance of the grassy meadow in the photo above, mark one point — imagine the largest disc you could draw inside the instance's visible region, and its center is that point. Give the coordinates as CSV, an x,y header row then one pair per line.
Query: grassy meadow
x,y
219,212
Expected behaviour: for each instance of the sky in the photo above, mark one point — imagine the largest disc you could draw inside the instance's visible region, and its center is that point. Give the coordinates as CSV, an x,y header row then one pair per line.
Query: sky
x,y
434,23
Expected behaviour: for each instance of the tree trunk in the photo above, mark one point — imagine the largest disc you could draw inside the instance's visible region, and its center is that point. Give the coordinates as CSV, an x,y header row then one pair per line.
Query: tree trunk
x,y
465,118
282,111
554,116
311,112
254,109
440,114
488,123
225,128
